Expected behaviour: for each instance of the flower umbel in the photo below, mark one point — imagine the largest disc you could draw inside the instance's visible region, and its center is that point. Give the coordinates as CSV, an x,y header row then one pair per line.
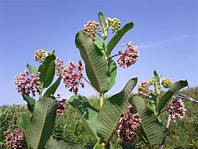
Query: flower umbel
x,y
72,76
167,83
59,66
176,108
15,139
143,89
114,23
40,54
27,83
61,107
91,28
127,127
129,56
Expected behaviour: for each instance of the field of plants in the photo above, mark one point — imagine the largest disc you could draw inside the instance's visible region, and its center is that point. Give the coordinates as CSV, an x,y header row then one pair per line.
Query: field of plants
x,y
69,126
159,115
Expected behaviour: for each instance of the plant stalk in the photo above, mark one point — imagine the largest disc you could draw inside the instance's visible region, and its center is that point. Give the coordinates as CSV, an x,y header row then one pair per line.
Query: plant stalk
x,y
101,100
166,132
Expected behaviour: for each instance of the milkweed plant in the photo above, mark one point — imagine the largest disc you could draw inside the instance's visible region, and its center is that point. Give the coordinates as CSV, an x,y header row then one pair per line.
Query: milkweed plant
x,y
126,119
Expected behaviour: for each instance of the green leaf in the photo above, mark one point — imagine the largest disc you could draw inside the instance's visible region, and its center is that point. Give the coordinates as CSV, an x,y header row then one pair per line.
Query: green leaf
x,y
103,23
87,113
42,123
24,120
111,111
95,63
151,127
52,89
30,102
55,144
47,69
32,69
100,45
157,83
168,95
113,72
116,38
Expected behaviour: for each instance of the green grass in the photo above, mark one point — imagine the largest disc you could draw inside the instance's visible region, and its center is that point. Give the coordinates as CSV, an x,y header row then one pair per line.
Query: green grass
x,y
182,134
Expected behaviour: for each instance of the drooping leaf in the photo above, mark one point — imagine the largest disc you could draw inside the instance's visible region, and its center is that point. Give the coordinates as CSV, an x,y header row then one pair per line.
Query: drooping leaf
x,y
87,113
113,72
55,144
95,63
47,70
168,95
24,120
111,111
52,89
103,23
41,125
116,38
31,69
30,102
150,125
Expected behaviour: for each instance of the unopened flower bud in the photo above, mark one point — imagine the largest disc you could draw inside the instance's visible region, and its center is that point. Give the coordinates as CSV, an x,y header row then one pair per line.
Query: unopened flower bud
x,y
167,83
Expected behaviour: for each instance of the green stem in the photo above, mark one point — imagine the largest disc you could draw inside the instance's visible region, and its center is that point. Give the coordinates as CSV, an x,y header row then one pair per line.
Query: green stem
x,y
101,100
40,95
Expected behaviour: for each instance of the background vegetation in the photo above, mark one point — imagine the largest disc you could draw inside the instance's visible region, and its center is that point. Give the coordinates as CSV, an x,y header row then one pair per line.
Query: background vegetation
x,y
182,134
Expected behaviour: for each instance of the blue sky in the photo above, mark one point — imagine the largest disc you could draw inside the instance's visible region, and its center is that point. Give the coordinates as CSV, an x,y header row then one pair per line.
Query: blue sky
x,y
165,31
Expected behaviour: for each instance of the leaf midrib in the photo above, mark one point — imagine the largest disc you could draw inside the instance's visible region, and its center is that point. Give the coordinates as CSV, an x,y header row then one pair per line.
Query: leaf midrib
x,y
97,81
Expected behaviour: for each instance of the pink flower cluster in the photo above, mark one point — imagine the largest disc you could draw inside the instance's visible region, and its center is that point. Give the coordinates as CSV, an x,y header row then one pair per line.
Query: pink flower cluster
x,y
15,139
127,127
72,76
61,105
176,109
59,66
129,56
27,83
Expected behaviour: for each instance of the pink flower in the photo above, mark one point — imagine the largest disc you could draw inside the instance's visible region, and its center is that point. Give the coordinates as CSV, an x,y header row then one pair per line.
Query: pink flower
x,y
59,66
61,107
72,76
15,139
176,108
127,127
27,83
129,56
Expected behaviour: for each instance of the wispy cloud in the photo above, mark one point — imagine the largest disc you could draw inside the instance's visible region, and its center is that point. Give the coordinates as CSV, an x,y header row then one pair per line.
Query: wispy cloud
x,y
164,41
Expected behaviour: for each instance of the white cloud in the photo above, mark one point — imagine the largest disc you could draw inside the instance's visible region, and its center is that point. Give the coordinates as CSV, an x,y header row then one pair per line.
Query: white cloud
x,y
164,41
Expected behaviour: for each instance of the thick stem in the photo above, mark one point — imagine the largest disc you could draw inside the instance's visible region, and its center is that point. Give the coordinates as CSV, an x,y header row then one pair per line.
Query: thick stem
x,y
101,100
40,95
166,132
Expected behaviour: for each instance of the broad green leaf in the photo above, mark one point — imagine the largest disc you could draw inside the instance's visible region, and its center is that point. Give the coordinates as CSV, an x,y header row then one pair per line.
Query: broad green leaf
x,y
116,38
41,125
31,69
30,102
100,45
111,111
168,95
47,69
55,144
52,89
95,63
87,113
157,83
151,127
113,72
24,120
103,23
